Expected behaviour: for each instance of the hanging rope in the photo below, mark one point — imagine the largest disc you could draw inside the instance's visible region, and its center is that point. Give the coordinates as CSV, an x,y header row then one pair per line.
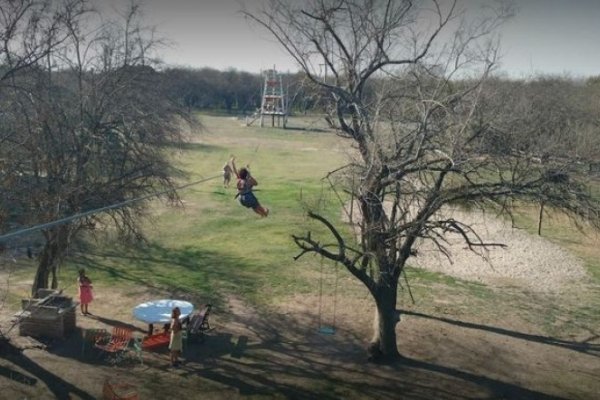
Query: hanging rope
x,y
320,292
99,210
328,330
335,291
331,185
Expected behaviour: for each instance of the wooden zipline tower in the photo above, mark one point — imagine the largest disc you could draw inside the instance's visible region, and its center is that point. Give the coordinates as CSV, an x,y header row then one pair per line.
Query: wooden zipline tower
x,y
273,99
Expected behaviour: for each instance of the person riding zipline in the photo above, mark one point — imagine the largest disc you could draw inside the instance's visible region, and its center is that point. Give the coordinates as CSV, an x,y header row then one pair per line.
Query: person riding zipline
x,y
245,184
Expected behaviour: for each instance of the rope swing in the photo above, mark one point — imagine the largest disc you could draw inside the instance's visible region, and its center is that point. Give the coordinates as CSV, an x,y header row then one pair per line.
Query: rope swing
x,y
323,328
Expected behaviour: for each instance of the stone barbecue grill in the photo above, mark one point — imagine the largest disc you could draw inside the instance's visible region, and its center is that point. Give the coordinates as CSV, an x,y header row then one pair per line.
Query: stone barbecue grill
x,y
50,315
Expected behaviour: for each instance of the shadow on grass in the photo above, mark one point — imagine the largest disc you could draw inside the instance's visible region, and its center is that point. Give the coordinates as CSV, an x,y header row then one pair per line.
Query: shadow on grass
x,y
77,348
189,273
117,323
584,346
275,354
307,129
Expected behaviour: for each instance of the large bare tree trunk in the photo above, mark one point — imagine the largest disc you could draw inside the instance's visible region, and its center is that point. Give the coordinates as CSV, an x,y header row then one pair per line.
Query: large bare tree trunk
x,y
383,344
50,258
43,271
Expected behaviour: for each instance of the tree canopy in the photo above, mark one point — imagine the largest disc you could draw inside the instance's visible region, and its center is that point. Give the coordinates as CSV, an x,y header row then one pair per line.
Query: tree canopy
x,y
87,123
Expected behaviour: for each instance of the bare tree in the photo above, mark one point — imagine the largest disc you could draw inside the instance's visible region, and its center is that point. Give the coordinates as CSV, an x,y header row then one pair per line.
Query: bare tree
x,y
29,31
419,146
95,126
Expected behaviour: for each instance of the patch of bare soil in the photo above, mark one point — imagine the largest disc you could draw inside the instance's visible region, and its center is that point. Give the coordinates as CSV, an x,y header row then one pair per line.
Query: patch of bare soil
x,y
279,353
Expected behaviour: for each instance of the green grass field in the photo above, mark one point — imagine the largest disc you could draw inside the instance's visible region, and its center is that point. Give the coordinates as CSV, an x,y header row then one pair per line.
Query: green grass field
x,y
212,247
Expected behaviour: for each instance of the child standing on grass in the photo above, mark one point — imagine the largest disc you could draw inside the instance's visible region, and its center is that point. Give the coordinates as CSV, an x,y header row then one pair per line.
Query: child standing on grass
x,y
85,291
245,184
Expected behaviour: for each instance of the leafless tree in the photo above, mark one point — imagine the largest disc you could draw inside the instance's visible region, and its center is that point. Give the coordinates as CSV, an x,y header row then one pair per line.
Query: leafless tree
x,y
29,30
419,146
94,129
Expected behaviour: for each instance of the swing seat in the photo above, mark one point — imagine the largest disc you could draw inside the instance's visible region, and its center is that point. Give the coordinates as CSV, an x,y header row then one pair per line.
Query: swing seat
x,y
327,330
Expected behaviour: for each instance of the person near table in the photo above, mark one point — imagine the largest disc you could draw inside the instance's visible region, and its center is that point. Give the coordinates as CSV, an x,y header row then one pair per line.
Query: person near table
x,y
176,342
85,291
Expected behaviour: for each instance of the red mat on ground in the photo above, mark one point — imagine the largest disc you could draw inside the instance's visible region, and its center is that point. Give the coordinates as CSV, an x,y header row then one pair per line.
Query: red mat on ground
x,y
157,340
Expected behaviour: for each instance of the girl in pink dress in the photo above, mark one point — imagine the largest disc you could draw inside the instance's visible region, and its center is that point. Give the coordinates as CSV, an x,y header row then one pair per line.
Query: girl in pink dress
x,y
85,291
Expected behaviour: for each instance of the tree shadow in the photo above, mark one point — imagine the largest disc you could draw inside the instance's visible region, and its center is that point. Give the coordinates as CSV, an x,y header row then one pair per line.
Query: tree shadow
x,y
117,323
17,376
277,356
496,388
200,147
307,129
60,388
151,266
583,347
75,347
270,354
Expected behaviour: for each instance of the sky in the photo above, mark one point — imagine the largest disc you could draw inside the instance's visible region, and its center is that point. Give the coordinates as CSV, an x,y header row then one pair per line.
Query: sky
x,y
545,36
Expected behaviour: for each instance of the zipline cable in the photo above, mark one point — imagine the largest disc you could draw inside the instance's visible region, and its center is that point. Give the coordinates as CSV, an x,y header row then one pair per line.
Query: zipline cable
x,y
101,209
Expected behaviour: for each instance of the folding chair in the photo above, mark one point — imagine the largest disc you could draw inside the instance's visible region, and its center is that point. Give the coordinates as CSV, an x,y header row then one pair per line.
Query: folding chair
x,y
118,343
198,323
92,336
155,341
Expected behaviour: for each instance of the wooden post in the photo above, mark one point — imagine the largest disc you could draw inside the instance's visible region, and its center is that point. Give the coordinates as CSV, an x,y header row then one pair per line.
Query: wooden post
x,y
540,218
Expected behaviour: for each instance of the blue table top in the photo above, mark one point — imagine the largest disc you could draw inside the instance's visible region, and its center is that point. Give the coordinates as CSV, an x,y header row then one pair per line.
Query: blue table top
x,y
159,311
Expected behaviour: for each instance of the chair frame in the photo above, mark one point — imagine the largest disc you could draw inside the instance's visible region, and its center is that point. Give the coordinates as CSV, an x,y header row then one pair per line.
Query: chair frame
x,y
138,348
91,336
118,342
198,323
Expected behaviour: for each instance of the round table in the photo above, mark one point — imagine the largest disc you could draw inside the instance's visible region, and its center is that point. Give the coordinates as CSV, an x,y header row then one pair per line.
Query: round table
x,y
159,311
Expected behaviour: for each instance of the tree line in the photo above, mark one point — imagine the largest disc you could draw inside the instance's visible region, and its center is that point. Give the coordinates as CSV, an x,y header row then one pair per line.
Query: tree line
x,y
235,92
557,110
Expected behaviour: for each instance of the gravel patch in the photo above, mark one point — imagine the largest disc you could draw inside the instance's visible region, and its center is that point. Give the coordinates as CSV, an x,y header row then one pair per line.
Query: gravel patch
x,y
528,261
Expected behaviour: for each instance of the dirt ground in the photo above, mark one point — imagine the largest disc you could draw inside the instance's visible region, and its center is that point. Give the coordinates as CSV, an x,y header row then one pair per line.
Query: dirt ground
x,y
280,354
